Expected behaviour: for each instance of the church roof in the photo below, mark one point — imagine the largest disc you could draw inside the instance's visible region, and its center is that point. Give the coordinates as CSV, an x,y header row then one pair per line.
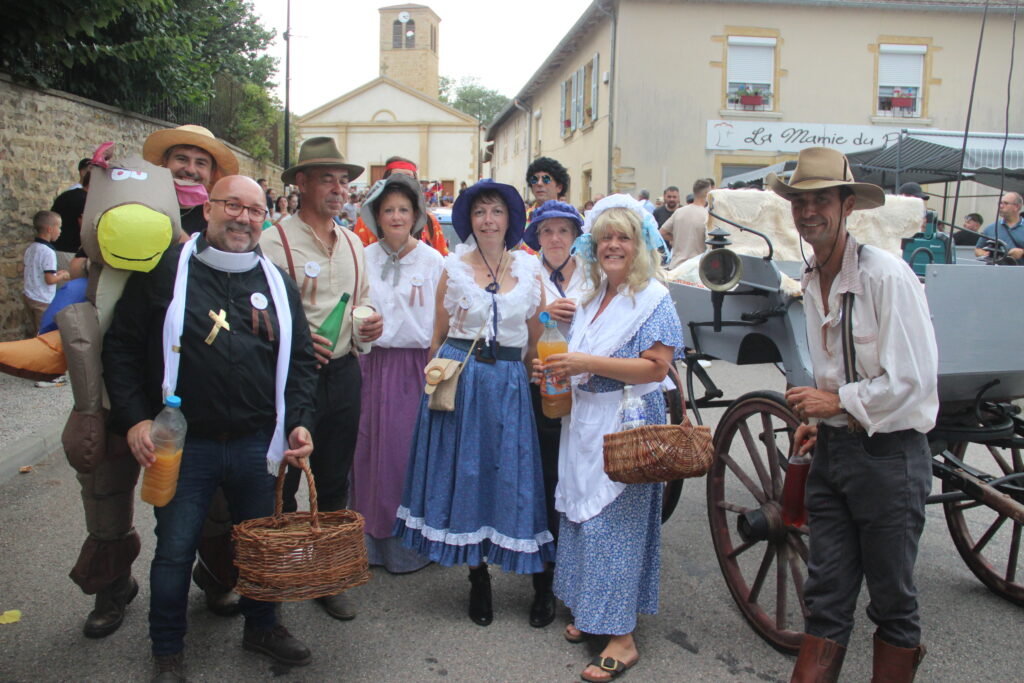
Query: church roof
x,y
352,94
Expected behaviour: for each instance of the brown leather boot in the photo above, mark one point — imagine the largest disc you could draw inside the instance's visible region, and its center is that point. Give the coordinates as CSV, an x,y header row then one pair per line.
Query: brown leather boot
x,y
895,664
819,661
111,602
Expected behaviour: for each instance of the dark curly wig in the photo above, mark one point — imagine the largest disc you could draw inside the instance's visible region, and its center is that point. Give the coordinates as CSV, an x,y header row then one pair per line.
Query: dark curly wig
x,y
555,169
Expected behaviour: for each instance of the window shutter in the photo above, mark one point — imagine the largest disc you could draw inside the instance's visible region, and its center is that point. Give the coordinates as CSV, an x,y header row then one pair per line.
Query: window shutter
x,y
751,60
901,65
581,86
572,106
595,80
561,117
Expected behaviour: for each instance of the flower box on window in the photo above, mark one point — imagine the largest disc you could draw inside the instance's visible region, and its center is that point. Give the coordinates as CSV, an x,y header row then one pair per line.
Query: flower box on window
x,y
902,102
751,100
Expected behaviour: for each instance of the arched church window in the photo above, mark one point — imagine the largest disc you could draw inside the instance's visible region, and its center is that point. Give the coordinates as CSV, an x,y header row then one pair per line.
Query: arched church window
x,y
410,33
396,33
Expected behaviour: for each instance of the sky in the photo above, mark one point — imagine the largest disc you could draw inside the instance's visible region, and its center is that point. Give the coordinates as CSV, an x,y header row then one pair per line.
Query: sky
x,y
335,43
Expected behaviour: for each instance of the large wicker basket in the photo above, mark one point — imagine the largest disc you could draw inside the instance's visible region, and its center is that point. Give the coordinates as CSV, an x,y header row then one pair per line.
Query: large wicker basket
x,y
300,555
654,453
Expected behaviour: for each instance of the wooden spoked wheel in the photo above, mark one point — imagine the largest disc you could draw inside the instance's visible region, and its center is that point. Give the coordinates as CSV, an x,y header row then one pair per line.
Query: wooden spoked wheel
x,y
988,541
763,560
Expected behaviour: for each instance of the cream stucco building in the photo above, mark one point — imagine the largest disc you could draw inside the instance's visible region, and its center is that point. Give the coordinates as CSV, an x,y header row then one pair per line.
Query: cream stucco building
x,y
651,93
398,113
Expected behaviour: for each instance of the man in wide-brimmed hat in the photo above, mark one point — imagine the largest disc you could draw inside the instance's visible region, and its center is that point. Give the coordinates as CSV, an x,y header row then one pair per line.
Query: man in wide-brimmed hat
x,y
327,263
875,363
197,160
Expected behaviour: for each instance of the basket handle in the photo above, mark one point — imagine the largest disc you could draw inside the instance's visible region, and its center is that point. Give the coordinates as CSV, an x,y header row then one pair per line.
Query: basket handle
x,y
314,522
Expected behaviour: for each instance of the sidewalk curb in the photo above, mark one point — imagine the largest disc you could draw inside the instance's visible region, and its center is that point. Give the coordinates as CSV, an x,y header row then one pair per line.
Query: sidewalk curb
x,y
32,449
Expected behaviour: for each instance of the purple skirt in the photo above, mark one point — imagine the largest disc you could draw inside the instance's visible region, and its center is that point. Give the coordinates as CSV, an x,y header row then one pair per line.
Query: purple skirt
x,y
392,387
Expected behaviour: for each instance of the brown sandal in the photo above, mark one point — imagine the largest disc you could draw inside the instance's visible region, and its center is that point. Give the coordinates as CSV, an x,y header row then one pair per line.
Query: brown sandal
x,y
613,667
574,639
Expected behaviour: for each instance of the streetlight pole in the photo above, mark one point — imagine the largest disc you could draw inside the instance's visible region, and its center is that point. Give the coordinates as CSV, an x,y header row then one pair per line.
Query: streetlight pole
x,y
287,87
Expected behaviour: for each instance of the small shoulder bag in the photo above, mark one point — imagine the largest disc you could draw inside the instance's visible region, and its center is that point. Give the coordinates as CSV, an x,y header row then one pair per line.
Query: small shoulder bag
x,y
442,375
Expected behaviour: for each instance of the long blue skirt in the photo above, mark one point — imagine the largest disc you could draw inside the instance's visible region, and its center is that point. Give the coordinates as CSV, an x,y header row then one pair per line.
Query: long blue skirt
x,y
474,487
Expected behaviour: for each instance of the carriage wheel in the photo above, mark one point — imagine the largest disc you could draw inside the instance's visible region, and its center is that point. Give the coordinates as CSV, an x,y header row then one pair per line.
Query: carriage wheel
x,y
674,403
763,560
989,542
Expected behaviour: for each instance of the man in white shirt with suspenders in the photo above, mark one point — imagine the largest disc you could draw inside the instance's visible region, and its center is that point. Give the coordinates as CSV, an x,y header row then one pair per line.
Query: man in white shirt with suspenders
x,y
875,363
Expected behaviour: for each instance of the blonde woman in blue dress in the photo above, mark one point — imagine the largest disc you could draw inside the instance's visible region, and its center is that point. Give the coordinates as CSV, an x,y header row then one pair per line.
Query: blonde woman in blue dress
x,y
625,332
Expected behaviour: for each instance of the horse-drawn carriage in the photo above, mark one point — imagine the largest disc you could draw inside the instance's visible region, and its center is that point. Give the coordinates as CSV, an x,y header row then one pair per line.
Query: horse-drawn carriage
x,y
745,311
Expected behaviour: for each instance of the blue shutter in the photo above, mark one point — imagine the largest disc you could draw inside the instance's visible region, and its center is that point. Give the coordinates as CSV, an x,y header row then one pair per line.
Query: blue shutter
x,y
561,117
595,80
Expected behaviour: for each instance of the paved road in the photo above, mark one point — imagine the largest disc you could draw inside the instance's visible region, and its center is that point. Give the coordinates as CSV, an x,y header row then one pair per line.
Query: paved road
x,y
414,628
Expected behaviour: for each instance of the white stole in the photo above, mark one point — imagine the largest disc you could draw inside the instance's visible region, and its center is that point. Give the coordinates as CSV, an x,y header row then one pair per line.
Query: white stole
x,y
174,324
583,487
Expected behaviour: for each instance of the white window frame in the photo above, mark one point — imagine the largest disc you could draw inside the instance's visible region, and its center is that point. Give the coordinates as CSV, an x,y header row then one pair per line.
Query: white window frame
x,y
900,74
745,66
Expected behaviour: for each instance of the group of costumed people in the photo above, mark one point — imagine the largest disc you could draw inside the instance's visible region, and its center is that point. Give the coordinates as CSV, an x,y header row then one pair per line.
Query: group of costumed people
x,y
494,482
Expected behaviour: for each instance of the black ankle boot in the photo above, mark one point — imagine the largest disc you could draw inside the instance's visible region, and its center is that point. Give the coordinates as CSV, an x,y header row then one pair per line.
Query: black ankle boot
x,y
108,613
542,612
480,610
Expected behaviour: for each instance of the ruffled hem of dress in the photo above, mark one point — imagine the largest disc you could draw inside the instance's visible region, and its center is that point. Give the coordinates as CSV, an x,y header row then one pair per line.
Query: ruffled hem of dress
x,y
581,511
486,544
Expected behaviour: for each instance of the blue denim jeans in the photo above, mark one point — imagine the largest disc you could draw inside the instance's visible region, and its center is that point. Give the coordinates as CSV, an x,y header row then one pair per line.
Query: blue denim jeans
x,y
239,466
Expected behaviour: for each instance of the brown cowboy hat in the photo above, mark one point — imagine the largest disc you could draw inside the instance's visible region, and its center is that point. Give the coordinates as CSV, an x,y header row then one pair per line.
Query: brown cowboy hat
x,y
820,167
159,142
320,151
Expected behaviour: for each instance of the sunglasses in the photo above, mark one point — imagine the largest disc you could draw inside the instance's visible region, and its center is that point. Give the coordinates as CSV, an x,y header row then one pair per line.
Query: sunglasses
x,y
545,178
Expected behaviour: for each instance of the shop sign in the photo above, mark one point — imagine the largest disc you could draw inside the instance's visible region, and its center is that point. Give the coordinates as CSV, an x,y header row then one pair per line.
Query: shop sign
x,y
778,136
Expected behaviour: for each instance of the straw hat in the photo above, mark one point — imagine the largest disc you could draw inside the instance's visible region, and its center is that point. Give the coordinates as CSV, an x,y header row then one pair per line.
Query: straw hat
x,y
320,151
159,142
818,168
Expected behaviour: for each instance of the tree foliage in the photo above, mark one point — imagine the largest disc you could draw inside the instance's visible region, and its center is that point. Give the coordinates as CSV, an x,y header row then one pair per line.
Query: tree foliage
x,y
470,97
138,54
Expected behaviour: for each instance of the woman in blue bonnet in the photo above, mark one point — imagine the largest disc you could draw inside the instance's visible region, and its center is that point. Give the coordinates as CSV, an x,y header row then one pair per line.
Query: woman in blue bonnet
x,y
625,331
474,490
554,226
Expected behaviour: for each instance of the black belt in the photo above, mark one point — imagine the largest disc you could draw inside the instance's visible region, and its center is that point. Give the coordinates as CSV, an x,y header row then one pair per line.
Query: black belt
x,y
483,350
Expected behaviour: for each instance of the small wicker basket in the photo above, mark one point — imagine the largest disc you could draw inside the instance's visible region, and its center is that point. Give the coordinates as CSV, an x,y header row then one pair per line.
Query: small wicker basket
x,y
300,555
655,453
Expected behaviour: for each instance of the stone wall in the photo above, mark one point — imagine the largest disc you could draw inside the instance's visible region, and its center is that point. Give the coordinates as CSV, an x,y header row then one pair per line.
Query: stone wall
x,y
43,134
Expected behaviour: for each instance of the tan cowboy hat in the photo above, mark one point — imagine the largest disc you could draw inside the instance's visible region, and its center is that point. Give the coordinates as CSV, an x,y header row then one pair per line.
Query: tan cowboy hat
x,y
821,167
320,151
159,142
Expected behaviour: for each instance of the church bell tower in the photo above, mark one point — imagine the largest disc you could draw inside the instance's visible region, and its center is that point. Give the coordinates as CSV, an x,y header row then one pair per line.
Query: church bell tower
x,y
409,46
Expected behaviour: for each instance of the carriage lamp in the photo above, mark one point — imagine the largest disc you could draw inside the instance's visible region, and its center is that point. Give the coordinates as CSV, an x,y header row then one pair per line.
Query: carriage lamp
x,y
720,269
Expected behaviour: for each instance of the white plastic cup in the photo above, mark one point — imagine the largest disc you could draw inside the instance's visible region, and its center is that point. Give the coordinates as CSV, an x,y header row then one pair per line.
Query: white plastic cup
x,y
360,314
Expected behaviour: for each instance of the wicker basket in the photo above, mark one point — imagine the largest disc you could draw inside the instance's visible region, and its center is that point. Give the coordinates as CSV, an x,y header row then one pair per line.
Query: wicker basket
x,y
654,453
300,555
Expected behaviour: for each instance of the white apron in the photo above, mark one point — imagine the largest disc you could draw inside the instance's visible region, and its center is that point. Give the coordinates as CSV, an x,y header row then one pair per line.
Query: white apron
x,y
583,487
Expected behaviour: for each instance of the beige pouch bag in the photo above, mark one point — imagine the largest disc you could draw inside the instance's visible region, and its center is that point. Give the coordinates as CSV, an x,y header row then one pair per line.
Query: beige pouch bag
x,y
442,375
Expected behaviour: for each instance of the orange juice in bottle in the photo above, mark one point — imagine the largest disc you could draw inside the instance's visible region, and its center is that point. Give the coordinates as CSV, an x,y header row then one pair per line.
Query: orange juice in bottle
x,y
555,394
168,435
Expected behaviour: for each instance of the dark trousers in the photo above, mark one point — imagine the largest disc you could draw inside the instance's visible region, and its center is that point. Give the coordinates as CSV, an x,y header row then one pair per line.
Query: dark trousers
x,y
865,502
239,467
549,433
338,392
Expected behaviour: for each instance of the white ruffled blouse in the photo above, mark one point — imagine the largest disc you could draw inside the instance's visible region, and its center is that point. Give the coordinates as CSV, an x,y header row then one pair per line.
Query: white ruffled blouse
x,y
469,305
408,308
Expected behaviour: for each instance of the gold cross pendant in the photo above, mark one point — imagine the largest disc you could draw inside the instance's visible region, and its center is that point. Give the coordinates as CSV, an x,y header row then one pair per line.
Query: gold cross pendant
x,y
220,320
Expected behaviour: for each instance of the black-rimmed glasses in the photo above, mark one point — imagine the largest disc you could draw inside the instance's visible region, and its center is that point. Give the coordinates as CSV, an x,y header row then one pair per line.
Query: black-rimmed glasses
x,y
544,178
233,209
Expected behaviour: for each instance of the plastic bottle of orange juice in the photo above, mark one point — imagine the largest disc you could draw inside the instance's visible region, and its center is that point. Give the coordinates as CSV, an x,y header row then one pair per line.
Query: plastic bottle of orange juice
x,y
556,395
168,435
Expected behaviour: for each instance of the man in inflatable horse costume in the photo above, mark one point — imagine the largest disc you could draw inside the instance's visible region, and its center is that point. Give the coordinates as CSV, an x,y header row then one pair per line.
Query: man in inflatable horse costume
x,y
131,216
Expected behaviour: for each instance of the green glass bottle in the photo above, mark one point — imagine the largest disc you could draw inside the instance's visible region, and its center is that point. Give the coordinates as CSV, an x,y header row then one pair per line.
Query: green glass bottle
x,y
332,326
